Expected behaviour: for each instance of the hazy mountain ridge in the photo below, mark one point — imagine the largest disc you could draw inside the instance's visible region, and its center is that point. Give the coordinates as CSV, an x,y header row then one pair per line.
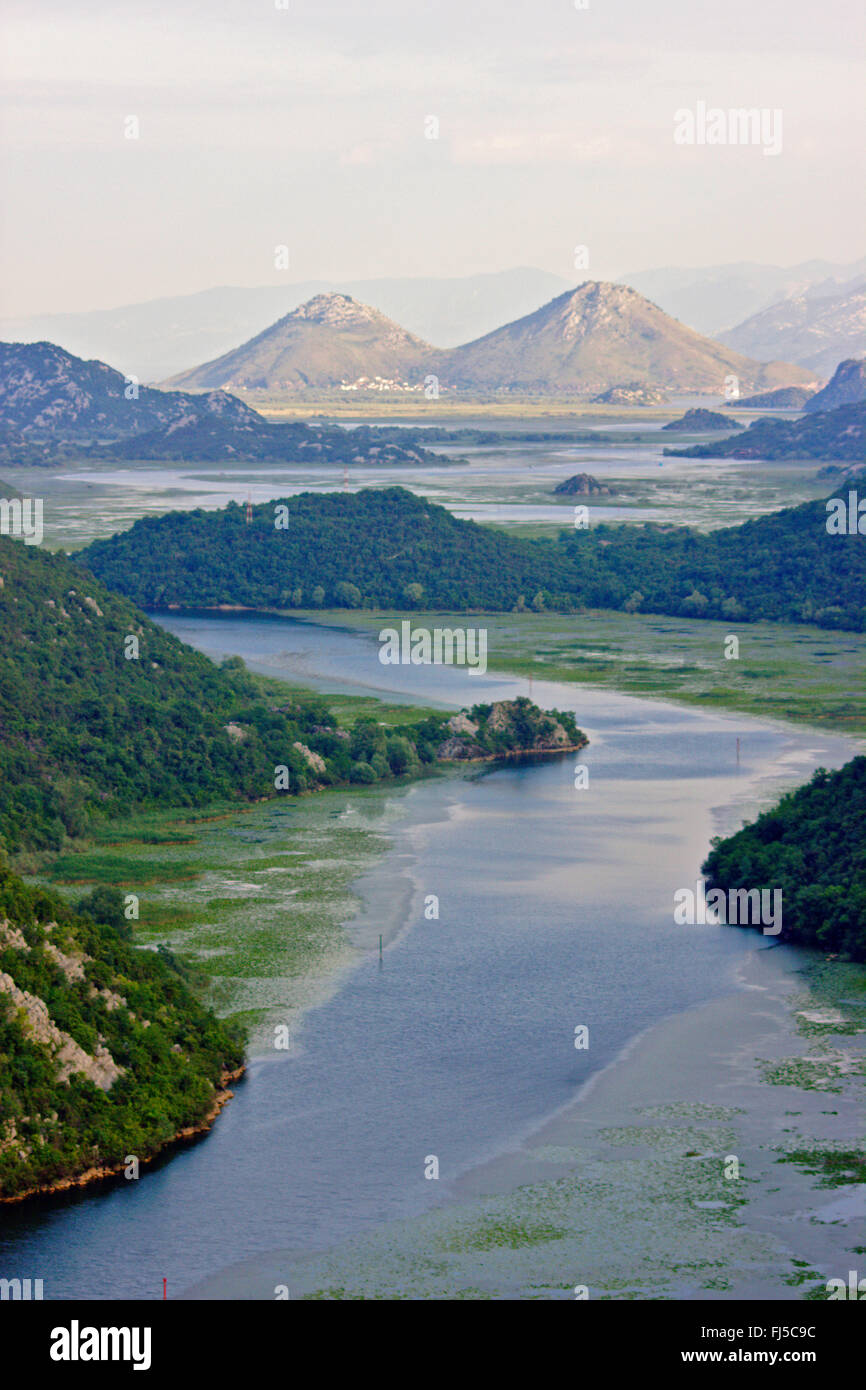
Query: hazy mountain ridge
x,y
599,336
49,394
816,332
715,299
783,398
163,337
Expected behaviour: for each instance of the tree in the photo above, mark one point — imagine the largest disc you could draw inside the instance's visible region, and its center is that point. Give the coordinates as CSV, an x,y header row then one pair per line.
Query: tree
x,y
105,905
348,594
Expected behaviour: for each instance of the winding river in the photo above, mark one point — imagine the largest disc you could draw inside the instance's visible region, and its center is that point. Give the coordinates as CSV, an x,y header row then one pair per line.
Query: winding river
x,y
555,910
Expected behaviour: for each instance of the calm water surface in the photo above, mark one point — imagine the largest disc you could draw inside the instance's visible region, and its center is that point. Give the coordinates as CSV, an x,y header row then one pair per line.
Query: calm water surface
x,y
555,909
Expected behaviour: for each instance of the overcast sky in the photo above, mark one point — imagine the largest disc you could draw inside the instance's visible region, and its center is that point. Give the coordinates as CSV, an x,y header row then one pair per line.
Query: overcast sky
x,y
305,127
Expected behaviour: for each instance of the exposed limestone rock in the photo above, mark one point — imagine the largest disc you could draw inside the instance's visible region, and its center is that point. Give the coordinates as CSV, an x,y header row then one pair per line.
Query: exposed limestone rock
x,y
455,750
112,1000
462,724
72,966
101,1069
315,760
12,936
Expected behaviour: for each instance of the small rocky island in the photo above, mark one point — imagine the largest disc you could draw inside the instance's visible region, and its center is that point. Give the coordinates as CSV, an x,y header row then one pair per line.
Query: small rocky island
x,y
631,393
695,420
583,485
507,729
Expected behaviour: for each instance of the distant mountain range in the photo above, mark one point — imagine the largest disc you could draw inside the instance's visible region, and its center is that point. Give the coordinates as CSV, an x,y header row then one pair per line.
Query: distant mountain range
x,y
815,331
162,337
52,403
715,299
587,340
598,336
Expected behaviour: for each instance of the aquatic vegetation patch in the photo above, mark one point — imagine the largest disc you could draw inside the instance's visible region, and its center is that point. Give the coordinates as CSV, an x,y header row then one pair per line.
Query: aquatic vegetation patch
x,y
832,1167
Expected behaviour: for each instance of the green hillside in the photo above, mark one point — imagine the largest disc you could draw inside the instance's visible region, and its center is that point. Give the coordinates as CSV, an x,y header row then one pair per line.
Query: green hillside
x,y
388,549
812,847
104,1051
829,434
87,732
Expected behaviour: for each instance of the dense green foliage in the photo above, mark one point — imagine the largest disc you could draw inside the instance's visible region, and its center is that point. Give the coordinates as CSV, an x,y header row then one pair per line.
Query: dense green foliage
x,y
829,434
172,1050
388,549
811,846
86,731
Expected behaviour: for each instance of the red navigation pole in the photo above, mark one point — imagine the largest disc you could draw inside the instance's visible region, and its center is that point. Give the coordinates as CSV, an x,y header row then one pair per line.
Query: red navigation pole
x,y
249,510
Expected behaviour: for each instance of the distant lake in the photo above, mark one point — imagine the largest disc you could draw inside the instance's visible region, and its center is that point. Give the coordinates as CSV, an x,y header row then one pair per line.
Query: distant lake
x,y
507,483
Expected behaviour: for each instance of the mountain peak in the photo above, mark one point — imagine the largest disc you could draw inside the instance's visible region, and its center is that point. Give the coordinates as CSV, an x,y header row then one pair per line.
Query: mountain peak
x,y
599,336
336,310
330,341
592,305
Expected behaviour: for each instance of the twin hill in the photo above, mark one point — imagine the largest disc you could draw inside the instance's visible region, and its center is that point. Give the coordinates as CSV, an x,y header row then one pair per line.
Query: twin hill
x,y
588,340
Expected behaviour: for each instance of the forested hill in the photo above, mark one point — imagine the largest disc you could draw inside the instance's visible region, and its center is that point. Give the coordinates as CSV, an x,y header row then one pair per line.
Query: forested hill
x,y
811,846
87,731
388,549
829,434
105,1052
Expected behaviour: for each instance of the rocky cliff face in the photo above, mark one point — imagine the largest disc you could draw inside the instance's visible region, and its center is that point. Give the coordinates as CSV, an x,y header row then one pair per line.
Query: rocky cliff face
x,y
105,1052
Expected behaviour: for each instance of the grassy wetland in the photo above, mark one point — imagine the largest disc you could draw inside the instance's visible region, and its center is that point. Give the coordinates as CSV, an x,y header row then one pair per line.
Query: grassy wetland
x,y
251,902
782,671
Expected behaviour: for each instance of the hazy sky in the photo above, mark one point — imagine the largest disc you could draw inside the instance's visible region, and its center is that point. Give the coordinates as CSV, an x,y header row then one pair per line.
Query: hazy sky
x,y
305,126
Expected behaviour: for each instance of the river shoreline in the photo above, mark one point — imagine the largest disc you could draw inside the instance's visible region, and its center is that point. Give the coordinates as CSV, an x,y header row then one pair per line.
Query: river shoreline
x,y
95,1175
456,1039
667,1176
